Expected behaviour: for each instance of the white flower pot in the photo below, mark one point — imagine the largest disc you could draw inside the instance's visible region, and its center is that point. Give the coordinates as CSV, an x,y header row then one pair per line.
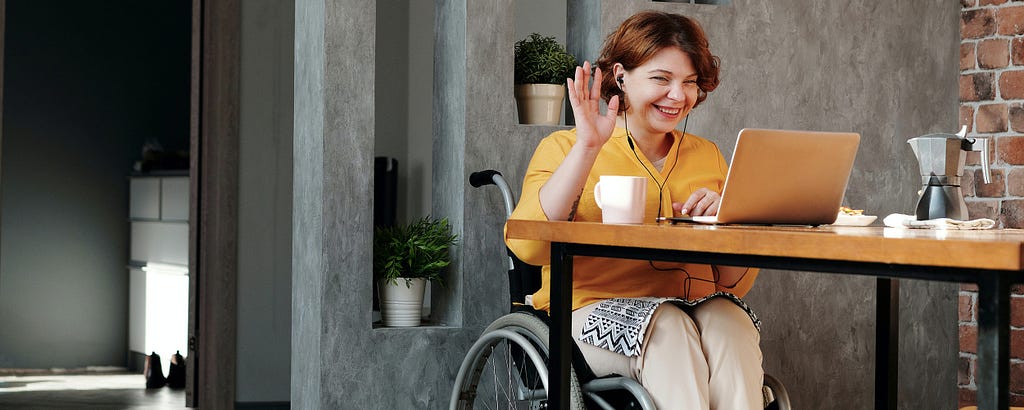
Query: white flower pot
x,y
401,305
539,103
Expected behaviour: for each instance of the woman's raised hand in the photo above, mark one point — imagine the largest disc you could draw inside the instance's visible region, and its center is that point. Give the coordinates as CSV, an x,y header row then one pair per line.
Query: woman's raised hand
x,y
562,192
592,128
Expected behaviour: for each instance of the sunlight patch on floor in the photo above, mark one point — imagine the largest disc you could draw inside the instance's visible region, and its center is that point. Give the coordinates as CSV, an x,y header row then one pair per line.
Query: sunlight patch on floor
x,y
49,382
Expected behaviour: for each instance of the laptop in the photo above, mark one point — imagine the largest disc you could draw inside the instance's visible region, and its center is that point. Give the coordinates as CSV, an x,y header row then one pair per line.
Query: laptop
x,y
782,177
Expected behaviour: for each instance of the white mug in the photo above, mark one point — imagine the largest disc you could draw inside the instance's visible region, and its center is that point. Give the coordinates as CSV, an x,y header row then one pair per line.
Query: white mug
x,y
622,199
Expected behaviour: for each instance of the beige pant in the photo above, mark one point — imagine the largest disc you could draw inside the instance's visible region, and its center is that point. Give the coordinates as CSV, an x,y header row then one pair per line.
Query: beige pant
x,y
708,360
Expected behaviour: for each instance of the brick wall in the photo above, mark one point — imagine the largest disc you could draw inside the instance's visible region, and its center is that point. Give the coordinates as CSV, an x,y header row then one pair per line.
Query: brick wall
x,y
992,106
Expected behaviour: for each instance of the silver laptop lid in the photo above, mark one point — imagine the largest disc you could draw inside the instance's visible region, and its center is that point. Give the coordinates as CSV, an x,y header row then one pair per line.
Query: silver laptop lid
x,y
787,177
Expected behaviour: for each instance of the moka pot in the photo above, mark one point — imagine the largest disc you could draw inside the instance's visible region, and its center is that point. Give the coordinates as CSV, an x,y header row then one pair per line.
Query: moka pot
x,y
941,158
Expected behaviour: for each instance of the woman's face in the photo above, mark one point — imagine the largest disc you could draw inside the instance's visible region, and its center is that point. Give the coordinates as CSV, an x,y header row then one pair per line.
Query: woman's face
x,y
660,91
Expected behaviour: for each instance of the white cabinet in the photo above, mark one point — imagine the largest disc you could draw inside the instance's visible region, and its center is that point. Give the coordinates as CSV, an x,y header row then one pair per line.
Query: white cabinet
x,y
174,199
159,219
158,266
145,198
163,242
159,198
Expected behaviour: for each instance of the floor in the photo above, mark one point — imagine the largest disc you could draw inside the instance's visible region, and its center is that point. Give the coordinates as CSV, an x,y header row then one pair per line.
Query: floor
x,y
113,390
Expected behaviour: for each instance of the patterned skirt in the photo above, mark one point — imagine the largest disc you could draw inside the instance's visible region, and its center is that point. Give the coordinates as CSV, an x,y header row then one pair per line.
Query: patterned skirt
x,y
620,324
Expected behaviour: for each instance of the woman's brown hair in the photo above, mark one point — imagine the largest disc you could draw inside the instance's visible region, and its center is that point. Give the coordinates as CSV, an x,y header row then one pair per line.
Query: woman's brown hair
x,y
644,34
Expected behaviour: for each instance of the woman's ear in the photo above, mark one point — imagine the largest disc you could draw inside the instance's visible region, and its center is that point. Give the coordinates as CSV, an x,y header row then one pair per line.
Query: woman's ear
x,y
618,71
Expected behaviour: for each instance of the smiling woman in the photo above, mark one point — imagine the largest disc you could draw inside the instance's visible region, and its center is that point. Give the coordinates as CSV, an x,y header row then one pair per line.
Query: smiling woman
x,y
652,71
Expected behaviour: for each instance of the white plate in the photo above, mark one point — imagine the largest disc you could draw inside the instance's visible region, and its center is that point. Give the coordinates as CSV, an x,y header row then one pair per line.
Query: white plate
x,y
854,220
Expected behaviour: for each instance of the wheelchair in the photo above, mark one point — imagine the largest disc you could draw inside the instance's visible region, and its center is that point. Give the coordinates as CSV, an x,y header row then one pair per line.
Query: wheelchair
x,y
507,366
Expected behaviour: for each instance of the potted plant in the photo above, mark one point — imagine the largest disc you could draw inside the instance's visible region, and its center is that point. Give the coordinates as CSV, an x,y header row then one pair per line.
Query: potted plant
x,y
404,259
541,67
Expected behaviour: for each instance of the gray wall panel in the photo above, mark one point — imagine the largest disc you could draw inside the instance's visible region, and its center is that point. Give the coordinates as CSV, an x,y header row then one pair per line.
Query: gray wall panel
x,y
449,124
265,201
307,206
347,199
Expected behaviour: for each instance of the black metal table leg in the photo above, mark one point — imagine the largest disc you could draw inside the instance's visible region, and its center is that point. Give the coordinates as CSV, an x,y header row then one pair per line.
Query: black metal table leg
x,y
887,338
561,331
993,342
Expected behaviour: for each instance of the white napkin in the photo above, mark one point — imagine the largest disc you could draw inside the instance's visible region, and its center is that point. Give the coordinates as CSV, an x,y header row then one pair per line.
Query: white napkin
x,y
910,221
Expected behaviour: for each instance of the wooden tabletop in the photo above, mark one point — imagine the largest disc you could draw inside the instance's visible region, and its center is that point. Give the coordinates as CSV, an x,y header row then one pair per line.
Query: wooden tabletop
x,y
996,249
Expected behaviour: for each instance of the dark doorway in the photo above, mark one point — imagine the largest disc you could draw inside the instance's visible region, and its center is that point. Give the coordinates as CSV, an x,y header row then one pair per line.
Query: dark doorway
x,y
87,85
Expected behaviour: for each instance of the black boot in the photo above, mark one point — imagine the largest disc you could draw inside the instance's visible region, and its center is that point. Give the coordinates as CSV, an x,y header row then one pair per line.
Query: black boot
x,y
154,372
176,372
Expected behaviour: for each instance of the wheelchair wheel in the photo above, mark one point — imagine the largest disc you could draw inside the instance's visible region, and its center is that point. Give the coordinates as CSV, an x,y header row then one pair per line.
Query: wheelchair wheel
x,y
507,368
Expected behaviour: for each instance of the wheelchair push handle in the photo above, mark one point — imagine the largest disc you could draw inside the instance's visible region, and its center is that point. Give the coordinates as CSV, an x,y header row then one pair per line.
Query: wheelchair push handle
x,y
492,177
481,178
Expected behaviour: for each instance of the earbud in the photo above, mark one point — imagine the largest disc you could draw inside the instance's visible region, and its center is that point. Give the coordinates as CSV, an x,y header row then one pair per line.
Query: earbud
x,y
619,79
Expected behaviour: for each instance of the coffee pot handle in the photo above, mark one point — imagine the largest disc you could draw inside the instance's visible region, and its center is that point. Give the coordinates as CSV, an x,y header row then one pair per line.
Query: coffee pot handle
x,y
981,145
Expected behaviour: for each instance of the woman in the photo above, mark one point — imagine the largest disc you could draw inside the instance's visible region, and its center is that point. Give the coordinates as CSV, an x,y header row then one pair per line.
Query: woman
x,y
701,350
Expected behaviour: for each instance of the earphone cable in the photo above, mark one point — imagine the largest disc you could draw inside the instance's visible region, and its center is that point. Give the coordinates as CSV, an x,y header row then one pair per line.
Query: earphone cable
x,y
660,185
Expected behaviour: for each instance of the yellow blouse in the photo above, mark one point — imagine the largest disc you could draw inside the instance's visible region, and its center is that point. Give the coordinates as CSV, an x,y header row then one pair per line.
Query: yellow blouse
x,y
692,163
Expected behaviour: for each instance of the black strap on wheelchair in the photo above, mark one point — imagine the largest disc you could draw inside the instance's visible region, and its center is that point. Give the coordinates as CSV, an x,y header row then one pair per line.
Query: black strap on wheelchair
x,y
523,279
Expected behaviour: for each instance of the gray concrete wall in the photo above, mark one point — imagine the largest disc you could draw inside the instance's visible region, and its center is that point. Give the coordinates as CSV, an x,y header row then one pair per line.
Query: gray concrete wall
x,y
265,201
338,359
546,17
786,64
308,208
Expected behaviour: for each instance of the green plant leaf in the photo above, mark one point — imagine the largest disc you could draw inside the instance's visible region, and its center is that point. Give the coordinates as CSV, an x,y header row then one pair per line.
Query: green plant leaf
x,y
541,60
417,250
